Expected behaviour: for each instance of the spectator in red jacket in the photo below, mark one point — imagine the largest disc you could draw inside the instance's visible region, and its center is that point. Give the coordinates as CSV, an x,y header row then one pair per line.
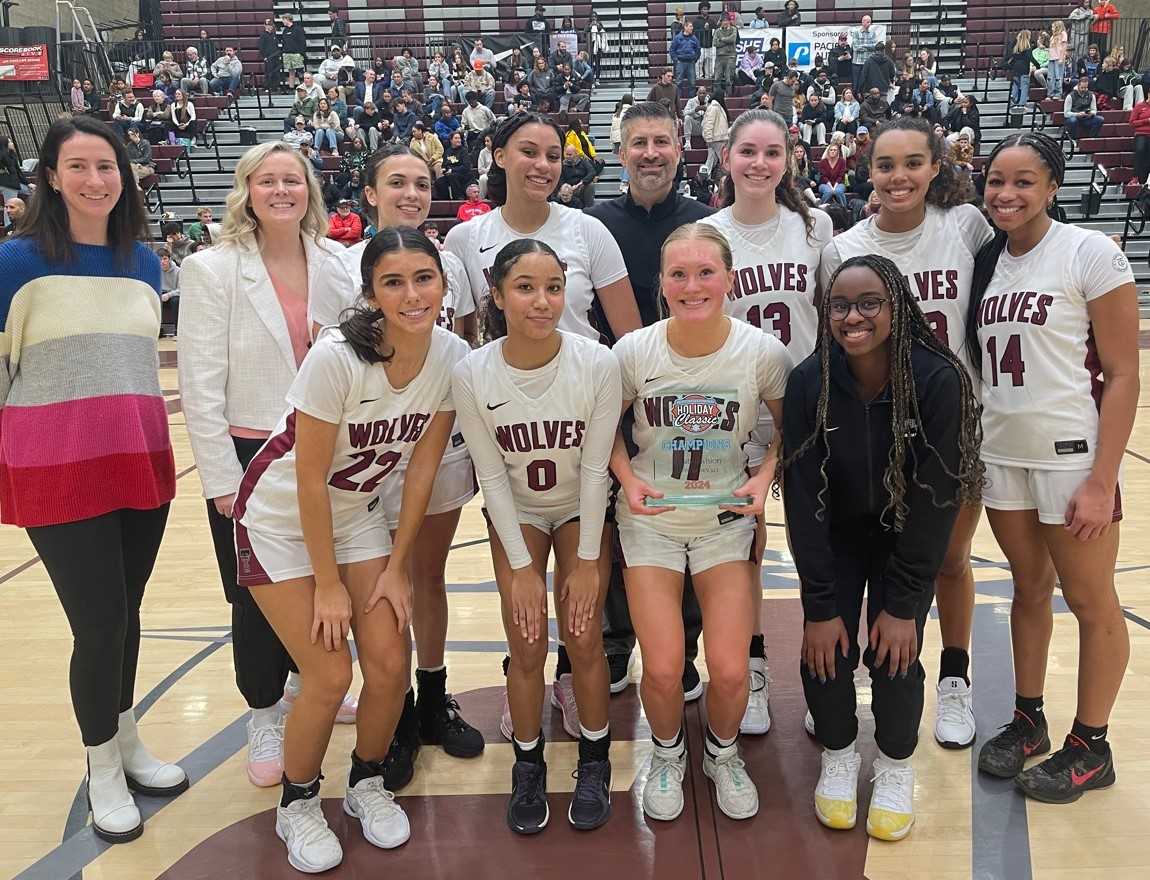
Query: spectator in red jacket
x,y
1105,13
474,206
1140,119
345,226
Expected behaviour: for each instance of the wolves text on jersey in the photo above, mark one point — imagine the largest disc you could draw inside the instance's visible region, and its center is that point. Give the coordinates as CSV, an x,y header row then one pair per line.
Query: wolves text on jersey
x,y
751,280
406,428
547,434
1024,306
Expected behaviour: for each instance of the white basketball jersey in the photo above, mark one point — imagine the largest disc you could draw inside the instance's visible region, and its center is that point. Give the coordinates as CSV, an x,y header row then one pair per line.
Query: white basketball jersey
x,y
776,272
937,258
378,426
1040,367
340,283
718,394
540,436
591,257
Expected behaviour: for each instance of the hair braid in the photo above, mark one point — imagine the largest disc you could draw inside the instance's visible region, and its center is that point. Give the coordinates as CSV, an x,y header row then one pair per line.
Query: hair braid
x,y
908,327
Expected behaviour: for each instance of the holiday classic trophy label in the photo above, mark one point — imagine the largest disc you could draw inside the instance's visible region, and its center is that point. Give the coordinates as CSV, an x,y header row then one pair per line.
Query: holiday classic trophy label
x,y
698,460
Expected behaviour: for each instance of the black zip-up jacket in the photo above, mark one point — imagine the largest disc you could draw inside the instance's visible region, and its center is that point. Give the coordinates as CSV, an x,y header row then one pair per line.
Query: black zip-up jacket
x,y
860,437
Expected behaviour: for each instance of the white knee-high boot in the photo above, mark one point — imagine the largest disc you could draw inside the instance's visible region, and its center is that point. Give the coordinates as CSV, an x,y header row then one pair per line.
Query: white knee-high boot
x,y
143,771
115,817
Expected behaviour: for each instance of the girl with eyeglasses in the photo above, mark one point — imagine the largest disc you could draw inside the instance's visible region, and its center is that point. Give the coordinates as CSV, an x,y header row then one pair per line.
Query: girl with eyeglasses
x,y
880,452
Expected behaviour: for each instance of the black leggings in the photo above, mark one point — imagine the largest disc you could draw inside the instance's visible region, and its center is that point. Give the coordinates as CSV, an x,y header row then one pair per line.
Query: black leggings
x,y
860,563
1141,157
262,663
99,567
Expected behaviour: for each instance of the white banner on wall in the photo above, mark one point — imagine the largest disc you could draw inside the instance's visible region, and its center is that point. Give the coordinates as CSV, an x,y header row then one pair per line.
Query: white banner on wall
x,y
802,43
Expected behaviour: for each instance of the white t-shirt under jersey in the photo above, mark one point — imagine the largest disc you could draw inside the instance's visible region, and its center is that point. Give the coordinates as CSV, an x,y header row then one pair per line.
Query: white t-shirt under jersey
x,y
341,282
1040,368
541,439
591,256
378,426
751,367
776,272
937,258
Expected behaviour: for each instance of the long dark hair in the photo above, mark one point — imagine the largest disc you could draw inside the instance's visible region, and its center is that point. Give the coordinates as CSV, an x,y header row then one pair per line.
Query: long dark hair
x,y
47,219
985,262
948,188
363,325
494,320
787,192
908,328
497,177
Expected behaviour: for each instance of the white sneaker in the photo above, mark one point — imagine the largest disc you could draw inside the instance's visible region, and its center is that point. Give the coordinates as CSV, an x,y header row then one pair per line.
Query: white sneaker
x,y
143,771
663,790
836,795
891,814
563,699
736,793
809,723
954,724
757,717
384,823
115,816
266,753
312,846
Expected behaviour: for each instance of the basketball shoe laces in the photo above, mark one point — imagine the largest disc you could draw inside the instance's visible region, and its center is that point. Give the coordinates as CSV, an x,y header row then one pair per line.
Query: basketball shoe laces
x,y
267,742
590,776
662,767
1065,758
373,794
891,788
838,776
952,708
1018,730
308,823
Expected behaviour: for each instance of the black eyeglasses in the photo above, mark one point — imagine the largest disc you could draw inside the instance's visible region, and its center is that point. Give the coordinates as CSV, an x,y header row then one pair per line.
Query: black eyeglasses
x,y
867,307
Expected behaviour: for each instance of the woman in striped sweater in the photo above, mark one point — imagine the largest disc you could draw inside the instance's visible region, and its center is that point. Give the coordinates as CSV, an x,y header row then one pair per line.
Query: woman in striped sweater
x,y
86,462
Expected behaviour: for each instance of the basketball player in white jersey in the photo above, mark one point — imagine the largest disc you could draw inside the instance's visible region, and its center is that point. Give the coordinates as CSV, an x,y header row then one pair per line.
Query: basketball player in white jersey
x,y
926,228
1054,309
528,152
313,549
777,242
399,185
695,381
539,408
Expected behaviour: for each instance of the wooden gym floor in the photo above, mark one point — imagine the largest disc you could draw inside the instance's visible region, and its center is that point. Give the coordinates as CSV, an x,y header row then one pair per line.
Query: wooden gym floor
x,y
968,827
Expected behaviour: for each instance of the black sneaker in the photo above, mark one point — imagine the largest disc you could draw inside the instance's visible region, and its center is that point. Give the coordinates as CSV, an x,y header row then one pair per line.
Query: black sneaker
x,y
399,763
447,728
591,802
1005,755
692,684
1067,774
620,671
527,811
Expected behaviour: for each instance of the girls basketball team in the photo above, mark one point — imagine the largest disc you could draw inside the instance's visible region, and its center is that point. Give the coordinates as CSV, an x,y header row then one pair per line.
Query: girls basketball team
x,y
893,380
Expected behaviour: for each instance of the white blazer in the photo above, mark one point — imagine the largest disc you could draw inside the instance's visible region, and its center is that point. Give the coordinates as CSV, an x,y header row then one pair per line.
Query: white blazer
x,y
235,355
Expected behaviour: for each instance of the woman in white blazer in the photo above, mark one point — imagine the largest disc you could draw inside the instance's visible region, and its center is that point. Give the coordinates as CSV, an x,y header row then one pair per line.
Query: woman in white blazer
x,y
243,335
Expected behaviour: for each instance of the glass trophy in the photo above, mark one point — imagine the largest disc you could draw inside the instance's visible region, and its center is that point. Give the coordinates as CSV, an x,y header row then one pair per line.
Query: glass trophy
x,y
698,460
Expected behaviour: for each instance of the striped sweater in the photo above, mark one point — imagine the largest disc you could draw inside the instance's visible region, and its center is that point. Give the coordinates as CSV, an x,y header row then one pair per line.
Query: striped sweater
x,y
83,424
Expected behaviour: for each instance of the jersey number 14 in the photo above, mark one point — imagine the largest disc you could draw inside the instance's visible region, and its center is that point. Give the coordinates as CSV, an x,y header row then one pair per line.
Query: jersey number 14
x,y
1010,362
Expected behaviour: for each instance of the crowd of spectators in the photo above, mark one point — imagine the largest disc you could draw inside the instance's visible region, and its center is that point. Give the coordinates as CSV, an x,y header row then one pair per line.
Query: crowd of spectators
x,y
833,108
442,107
